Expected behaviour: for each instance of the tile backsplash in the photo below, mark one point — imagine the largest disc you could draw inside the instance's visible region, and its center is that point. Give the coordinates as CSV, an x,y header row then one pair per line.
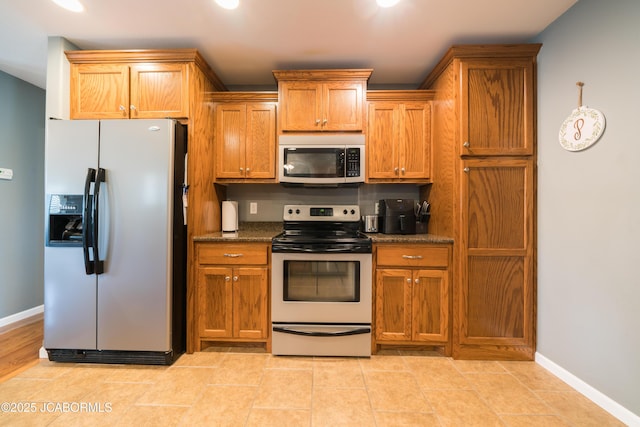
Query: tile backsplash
x,y
271,198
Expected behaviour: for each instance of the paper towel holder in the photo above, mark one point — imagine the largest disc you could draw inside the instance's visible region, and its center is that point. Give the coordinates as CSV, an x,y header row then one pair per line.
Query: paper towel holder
x,y
229,216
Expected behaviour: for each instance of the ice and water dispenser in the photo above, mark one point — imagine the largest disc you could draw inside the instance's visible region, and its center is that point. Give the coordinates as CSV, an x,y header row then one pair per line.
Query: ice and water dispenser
x,y
65,220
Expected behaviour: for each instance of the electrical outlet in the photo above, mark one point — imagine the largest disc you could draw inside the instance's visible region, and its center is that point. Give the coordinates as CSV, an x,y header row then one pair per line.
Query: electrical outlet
x,y
253,208
6,173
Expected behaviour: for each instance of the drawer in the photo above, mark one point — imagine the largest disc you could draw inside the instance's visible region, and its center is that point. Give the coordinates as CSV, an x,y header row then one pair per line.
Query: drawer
x,y
232,254
412,256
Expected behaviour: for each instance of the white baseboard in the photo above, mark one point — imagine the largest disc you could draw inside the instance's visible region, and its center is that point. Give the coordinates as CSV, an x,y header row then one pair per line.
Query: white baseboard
x,y
597,397
42,353
15,318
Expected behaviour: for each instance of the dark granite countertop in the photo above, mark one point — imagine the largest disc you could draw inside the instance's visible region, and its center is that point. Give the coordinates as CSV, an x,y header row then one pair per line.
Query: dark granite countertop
x,y
249,232
409,238
265,231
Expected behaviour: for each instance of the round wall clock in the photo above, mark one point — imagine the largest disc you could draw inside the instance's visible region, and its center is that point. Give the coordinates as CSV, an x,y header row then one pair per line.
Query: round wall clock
x,y
582,128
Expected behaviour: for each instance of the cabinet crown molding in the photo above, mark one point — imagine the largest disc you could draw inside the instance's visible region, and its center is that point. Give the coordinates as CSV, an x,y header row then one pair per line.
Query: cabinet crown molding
x,y
324,74
400,95
262,96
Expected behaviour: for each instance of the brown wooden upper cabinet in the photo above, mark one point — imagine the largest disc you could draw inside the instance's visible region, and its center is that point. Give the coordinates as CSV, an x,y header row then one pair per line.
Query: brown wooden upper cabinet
x,y
496,107
245,135
116,85
399,136
322,100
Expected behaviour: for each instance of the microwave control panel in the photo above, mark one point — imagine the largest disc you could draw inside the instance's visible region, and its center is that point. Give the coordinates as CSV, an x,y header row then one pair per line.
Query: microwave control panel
x,y
353,162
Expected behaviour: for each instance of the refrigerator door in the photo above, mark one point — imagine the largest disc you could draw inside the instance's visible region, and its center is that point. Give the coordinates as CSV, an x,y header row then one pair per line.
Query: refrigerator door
x,y
136,211
69,293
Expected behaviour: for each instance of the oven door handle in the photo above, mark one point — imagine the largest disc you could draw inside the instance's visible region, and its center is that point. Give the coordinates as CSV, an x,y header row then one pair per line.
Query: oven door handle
x,y
365,249
351,331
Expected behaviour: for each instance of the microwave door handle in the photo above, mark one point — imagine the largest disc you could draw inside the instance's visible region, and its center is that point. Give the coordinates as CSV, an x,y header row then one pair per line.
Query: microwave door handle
x,y
87,229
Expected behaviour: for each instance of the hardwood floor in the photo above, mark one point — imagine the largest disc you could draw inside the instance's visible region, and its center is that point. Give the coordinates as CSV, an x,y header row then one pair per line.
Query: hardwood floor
x,y
20,345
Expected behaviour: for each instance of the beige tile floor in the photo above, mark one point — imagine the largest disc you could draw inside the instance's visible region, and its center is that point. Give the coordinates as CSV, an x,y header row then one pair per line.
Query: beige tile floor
x,y
228,387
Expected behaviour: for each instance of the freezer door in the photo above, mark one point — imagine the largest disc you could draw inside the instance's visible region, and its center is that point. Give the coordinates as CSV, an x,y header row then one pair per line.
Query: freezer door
x,y
136,202
69,293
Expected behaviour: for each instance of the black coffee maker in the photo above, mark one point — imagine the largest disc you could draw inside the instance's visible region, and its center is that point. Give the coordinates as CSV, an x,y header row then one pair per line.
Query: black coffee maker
x,y
397,216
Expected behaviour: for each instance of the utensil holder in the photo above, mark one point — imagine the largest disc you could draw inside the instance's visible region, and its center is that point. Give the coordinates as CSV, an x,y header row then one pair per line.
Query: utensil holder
x,y
422,226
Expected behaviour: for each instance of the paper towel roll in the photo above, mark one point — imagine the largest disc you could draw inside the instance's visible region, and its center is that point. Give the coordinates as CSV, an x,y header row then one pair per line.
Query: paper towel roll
x,y
229,216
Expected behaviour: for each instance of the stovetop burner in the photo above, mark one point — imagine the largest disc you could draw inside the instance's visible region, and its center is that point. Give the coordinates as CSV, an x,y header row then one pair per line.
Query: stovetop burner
x,y
311,228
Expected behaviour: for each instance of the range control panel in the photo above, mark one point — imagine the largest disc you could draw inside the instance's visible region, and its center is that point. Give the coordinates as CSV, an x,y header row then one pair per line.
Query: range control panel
x,y
344,213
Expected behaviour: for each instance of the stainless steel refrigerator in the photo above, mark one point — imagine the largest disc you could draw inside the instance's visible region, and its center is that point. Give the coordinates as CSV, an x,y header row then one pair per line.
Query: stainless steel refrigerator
x,y
115,244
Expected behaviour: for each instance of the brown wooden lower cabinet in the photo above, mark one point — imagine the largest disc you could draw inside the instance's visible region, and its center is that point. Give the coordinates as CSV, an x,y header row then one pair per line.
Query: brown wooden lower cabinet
x,y
232,293
413,295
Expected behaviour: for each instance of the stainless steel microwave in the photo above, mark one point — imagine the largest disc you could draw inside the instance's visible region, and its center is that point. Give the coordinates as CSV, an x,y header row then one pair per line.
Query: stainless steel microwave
x,y
321,159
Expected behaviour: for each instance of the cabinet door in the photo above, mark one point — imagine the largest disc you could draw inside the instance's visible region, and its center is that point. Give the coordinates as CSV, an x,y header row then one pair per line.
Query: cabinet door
x,y
393,305
230,136
215,302
250,296
497,296
430,304
342,106
159,91
497,107
382,136
99,91
301,106
414,142
260,147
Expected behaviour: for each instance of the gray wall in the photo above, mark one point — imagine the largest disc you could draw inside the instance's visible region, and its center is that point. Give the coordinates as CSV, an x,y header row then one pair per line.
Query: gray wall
x,y
589,203
22,107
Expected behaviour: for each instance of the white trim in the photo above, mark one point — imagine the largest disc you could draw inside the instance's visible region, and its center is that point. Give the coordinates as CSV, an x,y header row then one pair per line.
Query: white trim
x,y
14,318
597,397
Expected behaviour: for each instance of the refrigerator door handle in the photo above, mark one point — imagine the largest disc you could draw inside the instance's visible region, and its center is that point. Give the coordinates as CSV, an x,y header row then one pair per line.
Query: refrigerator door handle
x,y
87,237
99,264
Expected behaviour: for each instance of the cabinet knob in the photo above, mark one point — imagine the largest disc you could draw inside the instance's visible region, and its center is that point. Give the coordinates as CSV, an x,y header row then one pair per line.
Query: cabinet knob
x,y
248,170
122,108
324,122
402,170
241,169
395,170
132,107
317,121
227,278
466,170
235,278
408,279
416,281
466,144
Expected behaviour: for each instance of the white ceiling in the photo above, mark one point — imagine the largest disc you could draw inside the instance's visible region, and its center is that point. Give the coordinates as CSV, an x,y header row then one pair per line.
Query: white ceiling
x,y
243,46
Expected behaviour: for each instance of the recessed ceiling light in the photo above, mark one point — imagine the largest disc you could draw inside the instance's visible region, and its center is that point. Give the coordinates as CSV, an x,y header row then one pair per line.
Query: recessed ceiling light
x,y
387,3
228,4
72,5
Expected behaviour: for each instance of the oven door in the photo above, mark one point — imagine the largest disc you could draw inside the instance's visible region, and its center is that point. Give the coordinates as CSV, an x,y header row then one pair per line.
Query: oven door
x,y
321,288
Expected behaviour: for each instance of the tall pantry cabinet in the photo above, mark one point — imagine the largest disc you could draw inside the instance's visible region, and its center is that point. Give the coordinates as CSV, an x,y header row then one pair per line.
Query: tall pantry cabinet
x,y
483,194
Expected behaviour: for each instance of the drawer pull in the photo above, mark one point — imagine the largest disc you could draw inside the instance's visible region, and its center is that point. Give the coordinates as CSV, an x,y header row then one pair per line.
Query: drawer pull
x,y
412,256
233,255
